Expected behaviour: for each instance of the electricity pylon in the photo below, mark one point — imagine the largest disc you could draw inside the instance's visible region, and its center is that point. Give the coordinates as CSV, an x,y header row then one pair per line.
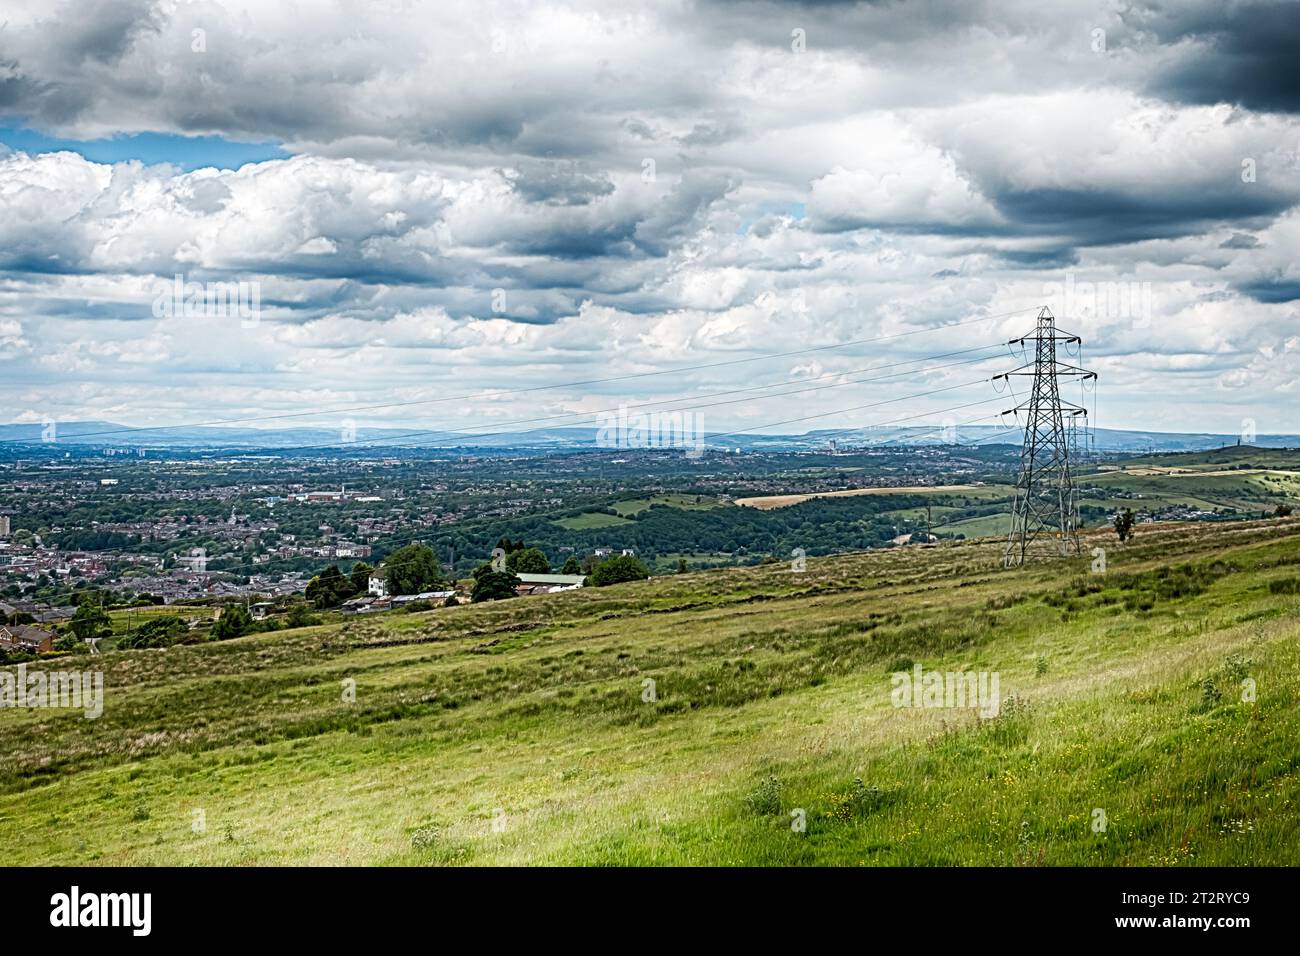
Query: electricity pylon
x,y
1045,515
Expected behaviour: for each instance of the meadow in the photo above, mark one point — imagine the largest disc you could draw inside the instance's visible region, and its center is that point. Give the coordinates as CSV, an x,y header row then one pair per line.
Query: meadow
x,y
1148,715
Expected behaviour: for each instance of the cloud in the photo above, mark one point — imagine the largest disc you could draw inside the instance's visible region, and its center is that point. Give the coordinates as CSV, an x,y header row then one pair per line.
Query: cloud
x,y
1243,53
547,192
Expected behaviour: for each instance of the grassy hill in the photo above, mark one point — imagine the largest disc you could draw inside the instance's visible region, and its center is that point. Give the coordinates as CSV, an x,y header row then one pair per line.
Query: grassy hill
x,y
523,731
1233,482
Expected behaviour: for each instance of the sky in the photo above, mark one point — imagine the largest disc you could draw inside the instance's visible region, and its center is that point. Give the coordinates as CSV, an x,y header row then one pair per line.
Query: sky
x,y
466,208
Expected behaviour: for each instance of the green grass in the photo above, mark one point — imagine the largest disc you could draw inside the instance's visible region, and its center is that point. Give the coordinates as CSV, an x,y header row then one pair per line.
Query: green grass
x,y
594,519
1247,492
985,527
1228,457
626,509
520,732
1243,478
684,502
125,619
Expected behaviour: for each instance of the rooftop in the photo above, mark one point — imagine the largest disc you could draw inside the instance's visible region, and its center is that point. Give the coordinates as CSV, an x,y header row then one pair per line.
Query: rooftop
x,y
551,578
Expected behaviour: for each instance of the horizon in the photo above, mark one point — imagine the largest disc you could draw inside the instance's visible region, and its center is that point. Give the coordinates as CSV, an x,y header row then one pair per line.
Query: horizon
x,y
921,426
526,200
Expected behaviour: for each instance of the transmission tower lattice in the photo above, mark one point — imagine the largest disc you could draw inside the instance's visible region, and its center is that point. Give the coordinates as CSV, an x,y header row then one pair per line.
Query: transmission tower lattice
x,y
1045,515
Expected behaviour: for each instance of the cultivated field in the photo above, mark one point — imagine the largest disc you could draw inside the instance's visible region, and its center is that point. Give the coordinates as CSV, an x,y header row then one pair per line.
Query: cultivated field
x,y
784,501
525,731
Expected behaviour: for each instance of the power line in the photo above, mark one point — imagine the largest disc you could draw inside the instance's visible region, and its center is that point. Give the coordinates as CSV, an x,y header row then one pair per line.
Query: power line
x,y
1045,513
853,408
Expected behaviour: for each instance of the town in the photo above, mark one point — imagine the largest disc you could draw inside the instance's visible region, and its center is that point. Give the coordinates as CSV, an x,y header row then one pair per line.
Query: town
x,y
116,537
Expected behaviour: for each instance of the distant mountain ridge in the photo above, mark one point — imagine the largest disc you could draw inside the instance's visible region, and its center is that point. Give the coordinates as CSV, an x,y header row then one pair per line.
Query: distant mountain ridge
x,y
102,434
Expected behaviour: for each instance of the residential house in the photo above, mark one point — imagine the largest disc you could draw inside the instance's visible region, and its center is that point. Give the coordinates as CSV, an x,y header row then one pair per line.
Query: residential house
x,y
25,637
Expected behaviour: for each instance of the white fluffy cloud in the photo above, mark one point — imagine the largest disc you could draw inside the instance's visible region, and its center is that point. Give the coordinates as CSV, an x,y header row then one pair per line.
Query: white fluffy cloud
x,y
530,193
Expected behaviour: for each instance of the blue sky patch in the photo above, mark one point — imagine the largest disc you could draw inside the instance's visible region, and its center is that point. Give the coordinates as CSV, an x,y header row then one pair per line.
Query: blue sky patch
x,y
187,152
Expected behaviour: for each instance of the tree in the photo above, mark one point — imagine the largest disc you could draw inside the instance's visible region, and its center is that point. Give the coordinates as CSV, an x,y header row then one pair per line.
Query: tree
x,y
571,565
1282,511
412,569
90,621
160,631
494,585
1124,524
234,621
681,566
329,588
616,570
68,642
360,577
528,561
300,616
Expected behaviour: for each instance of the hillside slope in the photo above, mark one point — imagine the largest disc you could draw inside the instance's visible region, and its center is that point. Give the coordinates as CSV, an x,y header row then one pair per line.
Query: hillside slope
x,y
524,731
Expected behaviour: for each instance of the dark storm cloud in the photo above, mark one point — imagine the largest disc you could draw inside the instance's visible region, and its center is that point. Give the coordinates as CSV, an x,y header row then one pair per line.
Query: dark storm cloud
x,y
90,36
681,211
1271,291
1112,217
1039,258
1242,53
104,30
16,90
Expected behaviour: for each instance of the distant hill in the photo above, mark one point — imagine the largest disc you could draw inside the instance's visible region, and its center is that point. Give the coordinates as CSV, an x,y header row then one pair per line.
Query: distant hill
x,y
103,434
1104,439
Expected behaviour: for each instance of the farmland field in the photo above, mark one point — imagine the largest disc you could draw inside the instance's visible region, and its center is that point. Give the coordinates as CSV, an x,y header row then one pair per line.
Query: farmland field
x,y
784,501
595,519
524,731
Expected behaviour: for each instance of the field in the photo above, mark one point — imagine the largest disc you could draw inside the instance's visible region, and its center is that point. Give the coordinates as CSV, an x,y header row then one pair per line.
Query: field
x,y
124,619
984,527
525,731
626,509
1242,490
1241,477
1228,457
784,501
685,502
594,519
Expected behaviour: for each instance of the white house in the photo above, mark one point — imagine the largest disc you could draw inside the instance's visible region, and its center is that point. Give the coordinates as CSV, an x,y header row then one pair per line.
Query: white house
x,y
378,584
